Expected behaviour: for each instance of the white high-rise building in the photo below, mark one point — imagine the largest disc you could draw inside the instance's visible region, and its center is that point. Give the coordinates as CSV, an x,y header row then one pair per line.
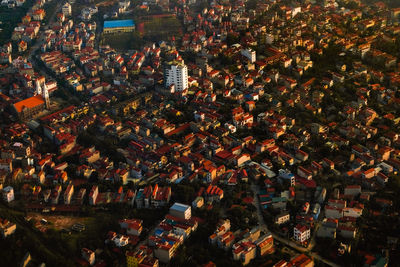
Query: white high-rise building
x,y
176,73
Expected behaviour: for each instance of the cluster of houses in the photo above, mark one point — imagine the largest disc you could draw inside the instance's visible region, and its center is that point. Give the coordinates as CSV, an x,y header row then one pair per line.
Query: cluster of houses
x,y
132,228
162,243
119,8
208,195
182,130
342,212
168,236
245,245
28,30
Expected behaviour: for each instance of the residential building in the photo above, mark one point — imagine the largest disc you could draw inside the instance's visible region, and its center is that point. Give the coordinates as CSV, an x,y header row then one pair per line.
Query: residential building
x,y
176,74
282,218
8,194
301,260
301,233
181,211
88,255
244,251
132,226
265,245
120,240
68,194
7,228
250,54
66,9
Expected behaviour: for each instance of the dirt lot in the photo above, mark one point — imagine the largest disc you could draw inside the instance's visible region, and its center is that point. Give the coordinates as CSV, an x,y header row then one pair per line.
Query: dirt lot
x,y
58,221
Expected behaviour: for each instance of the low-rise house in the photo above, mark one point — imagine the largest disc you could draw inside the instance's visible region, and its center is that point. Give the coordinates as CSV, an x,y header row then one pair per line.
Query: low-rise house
x,y
338,203
22,46
7,228
143,256
8,194
304,173
68,194
39,14
222,227
132,226
265,244
301,233
198,202
328,229
352,190
282,218
352,212
213,193
347,231
301,260
244,251
55,194
333,212
93,195
120,240
88,255
226,240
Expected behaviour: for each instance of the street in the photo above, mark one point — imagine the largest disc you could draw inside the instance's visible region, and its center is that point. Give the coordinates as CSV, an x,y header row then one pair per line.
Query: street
x,y
285,241
33,51
40,38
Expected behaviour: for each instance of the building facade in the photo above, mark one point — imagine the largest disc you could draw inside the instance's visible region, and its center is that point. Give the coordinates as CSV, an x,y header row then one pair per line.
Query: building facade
x,y
116,26
301,233
176,74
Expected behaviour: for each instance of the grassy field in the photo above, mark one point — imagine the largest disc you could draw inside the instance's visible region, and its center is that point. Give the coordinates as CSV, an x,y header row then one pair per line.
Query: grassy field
x,y
123,41
162,28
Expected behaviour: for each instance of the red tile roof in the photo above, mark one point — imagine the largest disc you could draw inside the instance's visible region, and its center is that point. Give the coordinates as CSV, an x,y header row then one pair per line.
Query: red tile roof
x,y
29,103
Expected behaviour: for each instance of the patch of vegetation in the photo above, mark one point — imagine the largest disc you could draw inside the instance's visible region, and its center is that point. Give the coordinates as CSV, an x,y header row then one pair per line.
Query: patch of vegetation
x,y
162,28
10,18
50,9
122,41
27,239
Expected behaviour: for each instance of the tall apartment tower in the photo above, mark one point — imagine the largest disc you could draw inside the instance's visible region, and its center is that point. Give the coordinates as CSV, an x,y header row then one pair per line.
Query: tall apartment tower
x,y
176,73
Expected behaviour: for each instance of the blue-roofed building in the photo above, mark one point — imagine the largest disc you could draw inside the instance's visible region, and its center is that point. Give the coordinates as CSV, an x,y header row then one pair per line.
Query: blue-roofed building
x,y
158,232
114,26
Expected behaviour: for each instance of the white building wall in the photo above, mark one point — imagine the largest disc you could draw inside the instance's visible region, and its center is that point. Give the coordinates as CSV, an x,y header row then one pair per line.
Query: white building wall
x,y
178,76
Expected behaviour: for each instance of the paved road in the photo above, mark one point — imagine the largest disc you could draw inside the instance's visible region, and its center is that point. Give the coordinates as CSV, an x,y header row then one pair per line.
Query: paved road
x,y
40,38
303,250
285,241
256,189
